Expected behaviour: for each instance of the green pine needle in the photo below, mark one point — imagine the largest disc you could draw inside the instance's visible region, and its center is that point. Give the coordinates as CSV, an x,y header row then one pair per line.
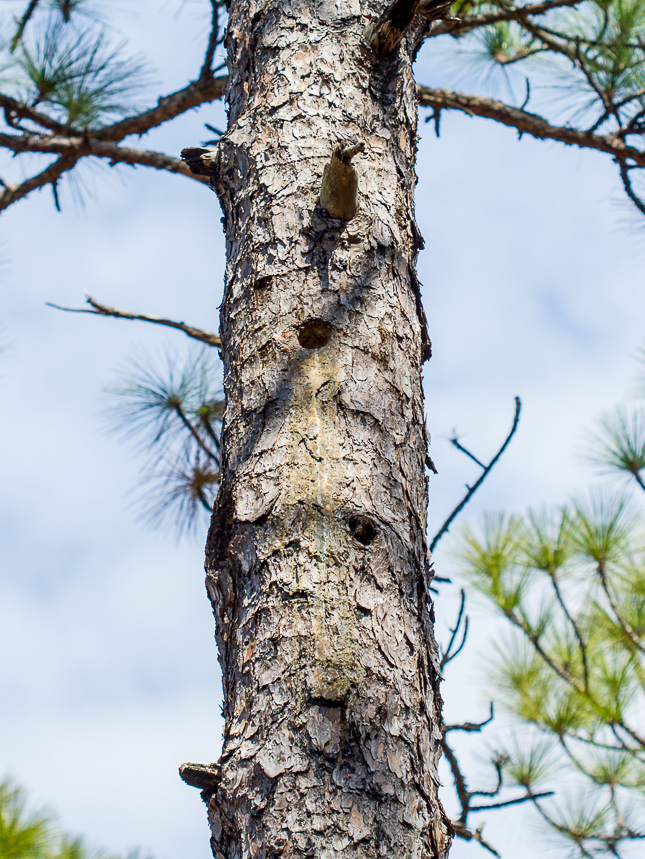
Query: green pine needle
x,y
528,765
619,445
77,73
173,411
602,529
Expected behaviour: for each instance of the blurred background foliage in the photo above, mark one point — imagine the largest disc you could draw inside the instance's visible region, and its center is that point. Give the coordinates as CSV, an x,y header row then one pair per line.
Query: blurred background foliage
x,y
26,834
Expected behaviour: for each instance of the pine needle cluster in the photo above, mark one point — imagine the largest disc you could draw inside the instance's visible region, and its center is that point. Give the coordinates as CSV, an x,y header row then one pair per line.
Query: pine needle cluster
x,y
172,410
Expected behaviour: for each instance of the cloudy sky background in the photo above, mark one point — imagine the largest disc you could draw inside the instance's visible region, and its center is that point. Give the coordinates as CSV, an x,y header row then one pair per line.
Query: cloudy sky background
x,y
533,286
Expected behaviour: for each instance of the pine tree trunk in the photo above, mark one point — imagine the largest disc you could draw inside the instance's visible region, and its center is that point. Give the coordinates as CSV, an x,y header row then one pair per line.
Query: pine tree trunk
x,y
317,561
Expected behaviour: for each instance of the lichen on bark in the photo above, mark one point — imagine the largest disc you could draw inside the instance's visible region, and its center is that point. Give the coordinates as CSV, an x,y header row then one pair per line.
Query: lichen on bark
x,y
317,563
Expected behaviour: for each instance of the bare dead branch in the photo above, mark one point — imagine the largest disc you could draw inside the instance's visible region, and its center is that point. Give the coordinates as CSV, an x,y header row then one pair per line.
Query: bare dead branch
x,y
527,123
103,310
471,727
446,525
460,785
141,157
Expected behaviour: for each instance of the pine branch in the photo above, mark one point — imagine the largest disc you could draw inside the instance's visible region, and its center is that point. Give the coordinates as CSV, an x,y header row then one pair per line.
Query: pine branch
x,y
72,149
195,94
14,109
519,13
629,631
102,310
49,176
527,123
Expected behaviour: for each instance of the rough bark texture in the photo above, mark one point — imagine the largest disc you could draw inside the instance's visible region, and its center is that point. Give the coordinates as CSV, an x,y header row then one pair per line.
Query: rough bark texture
x,y
317,561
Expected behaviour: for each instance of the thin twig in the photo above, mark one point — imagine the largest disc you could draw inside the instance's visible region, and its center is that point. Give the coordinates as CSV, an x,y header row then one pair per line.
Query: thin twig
x,y
462,831
624,625
576,630
636,200
446,525
22,24
448,655
471,726
459,780
102,310
454,441
213,40
517,801
191,429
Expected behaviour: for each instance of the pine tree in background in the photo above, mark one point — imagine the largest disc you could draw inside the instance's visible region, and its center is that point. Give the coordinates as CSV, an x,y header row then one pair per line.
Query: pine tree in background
x,y
571,582
317,559
36,835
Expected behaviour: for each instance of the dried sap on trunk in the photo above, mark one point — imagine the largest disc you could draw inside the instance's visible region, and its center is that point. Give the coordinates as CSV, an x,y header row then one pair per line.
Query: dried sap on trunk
x,y
339,191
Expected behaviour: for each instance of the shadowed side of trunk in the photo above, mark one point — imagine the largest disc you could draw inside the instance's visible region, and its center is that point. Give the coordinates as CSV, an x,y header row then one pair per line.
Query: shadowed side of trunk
x,y
317,561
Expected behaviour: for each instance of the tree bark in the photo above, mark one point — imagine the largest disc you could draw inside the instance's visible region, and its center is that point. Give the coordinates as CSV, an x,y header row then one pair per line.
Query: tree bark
x,y
317,563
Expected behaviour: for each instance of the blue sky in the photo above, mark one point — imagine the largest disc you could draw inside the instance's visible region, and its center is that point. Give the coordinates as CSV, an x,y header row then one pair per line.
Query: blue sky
x,y
533,286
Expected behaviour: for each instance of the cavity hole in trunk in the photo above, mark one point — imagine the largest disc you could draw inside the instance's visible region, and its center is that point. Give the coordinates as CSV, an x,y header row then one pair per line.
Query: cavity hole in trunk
x,y
363,529
314,334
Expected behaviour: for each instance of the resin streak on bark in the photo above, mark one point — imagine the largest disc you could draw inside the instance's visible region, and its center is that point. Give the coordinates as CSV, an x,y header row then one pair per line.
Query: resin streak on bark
x,y
317,561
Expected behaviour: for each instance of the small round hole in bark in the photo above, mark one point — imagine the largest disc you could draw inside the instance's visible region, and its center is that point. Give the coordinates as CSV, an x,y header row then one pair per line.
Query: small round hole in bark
x,y
314,334
363,529
263,282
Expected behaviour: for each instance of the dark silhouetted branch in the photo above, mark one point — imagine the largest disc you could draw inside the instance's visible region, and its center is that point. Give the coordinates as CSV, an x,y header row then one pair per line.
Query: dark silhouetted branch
x,y
449,655
471,726
446,525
